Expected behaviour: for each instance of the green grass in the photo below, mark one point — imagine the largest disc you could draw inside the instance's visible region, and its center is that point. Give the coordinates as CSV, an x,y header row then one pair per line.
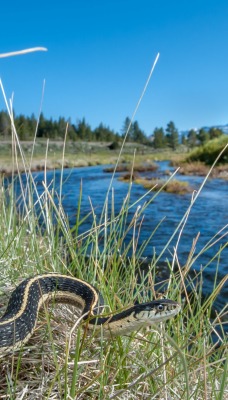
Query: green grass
x,y
210,151
174,186
78,154
175,360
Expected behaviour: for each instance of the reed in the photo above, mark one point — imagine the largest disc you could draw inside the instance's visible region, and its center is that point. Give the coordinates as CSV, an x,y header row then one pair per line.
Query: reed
x,y
185,358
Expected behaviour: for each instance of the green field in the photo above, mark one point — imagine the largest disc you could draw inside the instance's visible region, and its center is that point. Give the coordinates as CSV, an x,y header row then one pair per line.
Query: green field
x,y
55,154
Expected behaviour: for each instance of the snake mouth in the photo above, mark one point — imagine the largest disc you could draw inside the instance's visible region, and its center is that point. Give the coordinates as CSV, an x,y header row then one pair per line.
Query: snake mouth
x,y
159,313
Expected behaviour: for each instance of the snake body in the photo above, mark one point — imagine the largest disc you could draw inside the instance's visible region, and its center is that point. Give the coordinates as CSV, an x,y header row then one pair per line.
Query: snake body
x,y
19,320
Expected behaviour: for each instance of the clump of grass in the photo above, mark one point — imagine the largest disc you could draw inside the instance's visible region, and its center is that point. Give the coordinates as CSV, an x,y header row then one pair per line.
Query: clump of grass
x,y
192,168
178,187
198,168
142,167
177,360
173,186
129,177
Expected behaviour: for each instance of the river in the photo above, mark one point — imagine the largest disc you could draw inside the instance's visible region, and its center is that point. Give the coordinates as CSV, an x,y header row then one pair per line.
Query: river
x,y
208,216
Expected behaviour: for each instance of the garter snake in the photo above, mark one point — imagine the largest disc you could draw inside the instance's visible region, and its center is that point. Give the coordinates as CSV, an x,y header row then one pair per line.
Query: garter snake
x,y
19,320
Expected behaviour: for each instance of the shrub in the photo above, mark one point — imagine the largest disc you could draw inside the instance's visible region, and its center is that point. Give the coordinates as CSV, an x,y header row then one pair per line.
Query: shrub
x,y
210,151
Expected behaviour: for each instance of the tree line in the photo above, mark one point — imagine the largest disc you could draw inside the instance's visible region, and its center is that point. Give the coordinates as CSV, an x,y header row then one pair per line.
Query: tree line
x,y
171,138
54,129
82,131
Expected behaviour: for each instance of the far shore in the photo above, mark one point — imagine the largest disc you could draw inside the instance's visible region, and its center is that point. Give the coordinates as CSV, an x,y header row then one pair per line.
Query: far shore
x,y
48,155
85,154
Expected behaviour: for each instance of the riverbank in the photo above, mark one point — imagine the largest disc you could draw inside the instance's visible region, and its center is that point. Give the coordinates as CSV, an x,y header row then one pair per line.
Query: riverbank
x,y
200,169
56,154
49,155
63,359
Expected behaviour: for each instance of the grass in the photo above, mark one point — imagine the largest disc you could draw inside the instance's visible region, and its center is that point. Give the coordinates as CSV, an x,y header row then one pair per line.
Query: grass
x,y
174,186
184,359
127,167
79,154
210,150
198,168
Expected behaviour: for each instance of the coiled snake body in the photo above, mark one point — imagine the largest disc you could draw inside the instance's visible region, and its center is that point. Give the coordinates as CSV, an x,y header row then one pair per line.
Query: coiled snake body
x,y
19,320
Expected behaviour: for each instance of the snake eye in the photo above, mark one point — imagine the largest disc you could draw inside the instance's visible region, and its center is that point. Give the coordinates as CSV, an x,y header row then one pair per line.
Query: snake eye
x,y
160,307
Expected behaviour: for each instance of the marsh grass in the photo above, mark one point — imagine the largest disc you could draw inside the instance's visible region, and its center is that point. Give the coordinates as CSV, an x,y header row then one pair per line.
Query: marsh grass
x,y
185,358
174,186
127,167
80,154
200,169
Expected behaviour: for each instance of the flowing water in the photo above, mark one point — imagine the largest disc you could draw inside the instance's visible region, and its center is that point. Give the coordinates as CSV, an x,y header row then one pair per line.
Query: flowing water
x,y
208,216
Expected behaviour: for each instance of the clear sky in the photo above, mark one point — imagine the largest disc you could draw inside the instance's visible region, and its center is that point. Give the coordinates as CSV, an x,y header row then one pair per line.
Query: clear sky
x,y
100,53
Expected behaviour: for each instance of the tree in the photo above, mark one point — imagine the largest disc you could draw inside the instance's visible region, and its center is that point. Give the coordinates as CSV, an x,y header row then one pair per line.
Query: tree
x,y
215,133
42,132
127,128
192,138
159,138
114,145
32,125
137,134
203,136
22,127
184,140
104,133
71,134
83,130
172,135
5,125
62,125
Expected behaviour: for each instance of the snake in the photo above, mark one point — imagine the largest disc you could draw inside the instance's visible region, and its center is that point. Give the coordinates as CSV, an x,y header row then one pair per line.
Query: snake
x,y
19,320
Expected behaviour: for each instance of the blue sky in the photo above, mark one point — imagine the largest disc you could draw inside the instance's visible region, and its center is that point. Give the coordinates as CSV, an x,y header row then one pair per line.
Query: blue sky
x,y
100,54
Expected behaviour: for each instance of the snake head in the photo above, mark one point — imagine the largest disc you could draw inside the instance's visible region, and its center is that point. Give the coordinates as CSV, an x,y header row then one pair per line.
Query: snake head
x,y
156,311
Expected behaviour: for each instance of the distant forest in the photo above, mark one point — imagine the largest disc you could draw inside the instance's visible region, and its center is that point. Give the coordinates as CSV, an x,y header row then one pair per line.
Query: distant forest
x,y
82,131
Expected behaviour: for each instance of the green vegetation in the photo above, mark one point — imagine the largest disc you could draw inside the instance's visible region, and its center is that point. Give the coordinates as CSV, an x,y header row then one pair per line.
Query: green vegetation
x,y
193,139
200,169
78,154
127,167
133,132
86,147
81,131
177,360
210,151
157,184
173,186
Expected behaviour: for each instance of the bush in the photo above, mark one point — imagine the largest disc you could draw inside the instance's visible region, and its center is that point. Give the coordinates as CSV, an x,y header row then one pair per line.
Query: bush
x,y
210,151
114,145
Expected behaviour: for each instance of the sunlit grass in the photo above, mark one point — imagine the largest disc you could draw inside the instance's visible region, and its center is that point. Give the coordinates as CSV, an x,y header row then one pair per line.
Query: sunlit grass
x,y
177,360
173,186
79,154
185,358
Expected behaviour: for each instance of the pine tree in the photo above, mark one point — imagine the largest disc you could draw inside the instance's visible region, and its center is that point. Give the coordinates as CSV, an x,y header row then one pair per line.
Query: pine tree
x,y
5,125
192,138
203,136
159,138
127,128
172,135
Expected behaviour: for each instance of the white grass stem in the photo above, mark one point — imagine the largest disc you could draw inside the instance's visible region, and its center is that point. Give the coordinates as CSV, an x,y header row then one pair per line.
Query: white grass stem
x,y
131,121
22,52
